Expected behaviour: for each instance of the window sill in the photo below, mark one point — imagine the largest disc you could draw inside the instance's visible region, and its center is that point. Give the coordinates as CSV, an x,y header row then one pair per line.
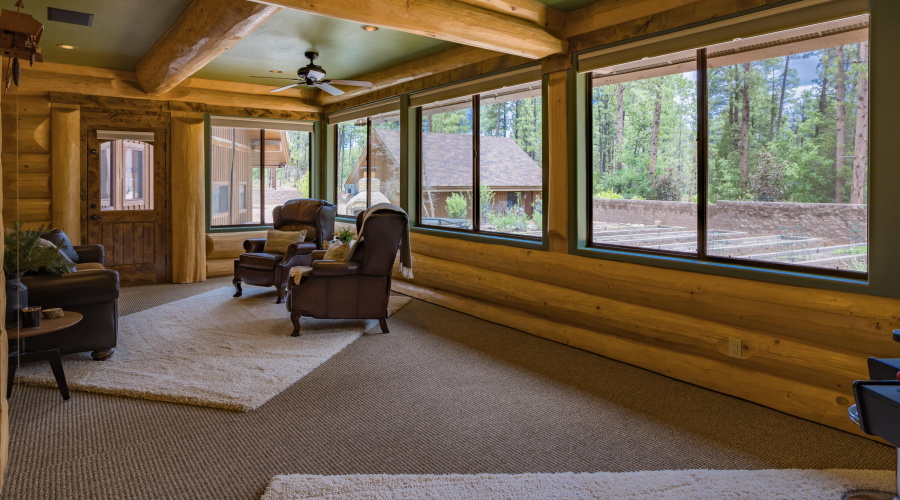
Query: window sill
x,y
237,229
733,270
494,239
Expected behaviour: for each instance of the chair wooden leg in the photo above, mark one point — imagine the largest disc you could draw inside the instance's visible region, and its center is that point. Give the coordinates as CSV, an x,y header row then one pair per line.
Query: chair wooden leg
x,y
279,287
384,327
237,287
295,319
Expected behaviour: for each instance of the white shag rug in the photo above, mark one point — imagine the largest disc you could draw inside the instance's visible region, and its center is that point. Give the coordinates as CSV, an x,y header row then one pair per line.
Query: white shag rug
x,y
209,350
772,484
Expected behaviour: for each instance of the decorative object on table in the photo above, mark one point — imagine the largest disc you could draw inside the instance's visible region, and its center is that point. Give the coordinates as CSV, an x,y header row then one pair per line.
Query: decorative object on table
x,y
358,286
52,313
26,251
259,267
19,37
346,235
31,316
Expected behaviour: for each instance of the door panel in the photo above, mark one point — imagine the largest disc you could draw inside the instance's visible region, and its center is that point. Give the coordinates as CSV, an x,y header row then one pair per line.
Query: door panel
x,y
126,201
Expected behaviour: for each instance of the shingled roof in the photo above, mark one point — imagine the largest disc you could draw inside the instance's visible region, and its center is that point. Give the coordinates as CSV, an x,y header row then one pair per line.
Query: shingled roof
x,y
448,160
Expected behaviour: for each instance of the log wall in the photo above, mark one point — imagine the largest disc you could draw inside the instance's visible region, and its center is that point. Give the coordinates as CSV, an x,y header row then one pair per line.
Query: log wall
x,y
802,348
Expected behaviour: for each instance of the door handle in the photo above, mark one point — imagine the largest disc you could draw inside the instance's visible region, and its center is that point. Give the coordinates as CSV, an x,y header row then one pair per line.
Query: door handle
x,y
97,217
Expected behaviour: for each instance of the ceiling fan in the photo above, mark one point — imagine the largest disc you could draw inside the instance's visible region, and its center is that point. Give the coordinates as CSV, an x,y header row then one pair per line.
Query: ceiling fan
x,y
314,76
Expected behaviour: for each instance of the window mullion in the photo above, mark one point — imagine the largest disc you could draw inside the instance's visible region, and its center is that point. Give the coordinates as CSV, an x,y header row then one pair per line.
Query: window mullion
x,y
476,177
702,153
262,176
368,162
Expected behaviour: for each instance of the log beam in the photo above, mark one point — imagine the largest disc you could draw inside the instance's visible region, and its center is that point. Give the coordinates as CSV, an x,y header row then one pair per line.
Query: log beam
x,y
205,30
528,10
449,20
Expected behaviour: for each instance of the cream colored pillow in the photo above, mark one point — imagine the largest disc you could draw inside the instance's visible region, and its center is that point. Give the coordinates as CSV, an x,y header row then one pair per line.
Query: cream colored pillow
x,y
279,241
338,252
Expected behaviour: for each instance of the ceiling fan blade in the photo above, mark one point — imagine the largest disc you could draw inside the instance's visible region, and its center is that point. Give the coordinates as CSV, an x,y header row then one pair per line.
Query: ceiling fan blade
x,y
328,88
355,83
315,75
285,87
276,78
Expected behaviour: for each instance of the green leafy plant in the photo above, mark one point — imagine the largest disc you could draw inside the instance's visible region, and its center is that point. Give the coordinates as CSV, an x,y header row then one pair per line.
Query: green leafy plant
x,y
346,235
511,219
25,252
457,207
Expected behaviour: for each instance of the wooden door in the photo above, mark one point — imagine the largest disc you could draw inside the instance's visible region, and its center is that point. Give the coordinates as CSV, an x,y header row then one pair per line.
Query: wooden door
x,y
126,201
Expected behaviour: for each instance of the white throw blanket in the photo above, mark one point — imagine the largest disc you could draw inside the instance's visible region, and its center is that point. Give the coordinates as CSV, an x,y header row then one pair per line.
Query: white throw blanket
x,y
405,249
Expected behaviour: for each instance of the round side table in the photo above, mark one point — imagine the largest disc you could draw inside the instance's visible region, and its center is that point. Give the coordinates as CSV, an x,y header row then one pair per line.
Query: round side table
x,y
69,318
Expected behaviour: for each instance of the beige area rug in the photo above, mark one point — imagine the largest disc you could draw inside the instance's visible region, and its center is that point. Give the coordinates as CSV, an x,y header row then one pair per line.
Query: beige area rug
x,y
788,484
210,350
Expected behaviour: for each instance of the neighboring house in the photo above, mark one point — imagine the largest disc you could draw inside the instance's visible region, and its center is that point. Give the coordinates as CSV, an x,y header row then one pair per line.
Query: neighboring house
x,y
511,174
235,153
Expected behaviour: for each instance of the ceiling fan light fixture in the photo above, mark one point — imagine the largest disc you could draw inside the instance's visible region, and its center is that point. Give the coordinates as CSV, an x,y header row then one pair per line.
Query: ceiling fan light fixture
x,y
369,27
66,46
275,71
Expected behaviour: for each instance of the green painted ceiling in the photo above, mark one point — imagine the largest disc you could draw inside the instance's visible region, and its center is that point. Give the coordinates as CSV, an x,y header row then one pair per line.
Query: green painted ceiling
x,y
123,32
345,50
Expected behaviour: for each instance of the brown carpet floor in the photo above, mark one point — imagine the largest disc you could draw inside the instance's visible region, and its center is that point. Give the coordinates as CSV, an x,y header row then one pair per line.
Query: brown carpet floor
x,y
443,393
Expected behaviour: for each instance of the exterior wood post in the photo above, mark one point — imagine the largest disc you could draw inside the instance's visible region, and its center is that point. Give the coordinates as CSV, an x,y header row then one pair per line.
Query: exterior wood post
x,y
188,200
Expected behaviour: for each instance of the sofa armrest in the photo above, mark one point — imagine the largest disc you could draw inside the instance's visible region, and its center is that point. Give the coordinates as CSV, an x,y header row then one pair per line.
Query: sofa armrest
x,y
72,289
255,245
299,248
334,268
90,253
318,254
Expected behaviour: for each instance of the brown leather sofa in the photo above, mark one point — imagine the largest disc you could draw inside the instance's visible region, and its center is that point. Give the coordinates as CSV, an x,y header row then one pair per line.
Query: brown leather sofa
x,y
93,293
255,267
358,288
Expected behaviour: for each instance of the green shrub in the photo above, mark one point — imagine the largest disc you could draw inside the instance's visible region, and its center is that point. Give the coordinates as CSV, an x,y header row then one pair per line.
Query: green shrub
x,y
457,206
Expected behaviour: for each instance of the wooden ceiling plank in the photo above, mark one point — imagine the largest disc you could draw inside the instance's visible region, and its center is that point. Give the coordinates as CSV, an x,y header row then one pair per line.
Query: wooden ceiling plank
x,y
449,20
205,30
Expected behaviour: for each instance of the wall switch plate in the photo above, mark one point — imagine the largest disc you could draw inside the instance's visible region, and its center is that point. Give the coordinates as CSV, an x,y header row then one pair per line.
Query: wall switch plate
x,y
734,347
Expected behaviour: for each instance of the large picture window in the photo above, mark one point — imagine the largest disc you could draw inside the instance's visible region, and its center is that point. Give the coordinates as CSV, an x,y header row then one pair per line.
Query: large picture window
x,y
481,162
256,166
779,177
368,162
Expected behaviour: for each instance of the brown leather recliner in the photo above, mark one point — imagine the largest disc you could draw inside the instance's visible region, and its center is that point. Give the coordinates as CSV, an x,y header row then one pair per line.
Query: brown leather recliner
x,y
258,268
358,288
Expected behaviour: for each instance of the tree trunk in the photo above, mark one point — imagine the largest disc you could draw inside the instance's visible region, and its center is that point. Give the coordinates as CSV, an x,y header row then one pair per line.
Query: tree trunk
x,y
822,91
654,135
787,61
861,144
840,127
620,124
745,123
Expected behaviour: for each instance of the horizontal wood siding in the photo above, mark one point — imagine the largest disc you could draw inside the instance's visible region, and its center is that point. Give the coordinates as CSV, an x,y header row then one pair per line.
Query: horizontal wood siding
x,y
26,176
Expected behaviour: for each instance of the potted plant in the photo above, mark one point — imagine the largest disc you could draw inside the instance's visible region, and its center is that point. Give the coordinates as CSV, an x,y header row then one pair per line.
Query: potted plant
x,y
25,251
346,235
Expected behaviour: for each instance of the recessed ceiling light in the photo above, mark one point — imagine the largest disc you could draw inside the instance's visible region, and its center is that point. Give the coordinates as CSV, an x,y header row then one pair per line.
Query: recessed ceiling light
x,y
274,71
66,46
369,27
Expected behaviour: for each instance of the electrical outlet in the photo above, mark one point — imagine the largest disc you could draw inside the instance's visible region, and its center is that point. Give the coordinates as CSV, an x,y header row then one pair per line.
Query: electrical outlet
x,y
734,347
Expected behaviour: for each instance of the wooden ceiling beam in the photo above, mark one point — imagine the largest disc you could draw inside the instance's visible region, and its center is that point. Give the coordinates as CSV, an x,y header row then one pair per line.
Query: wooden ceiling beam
x,y
450,20
205,30
528,10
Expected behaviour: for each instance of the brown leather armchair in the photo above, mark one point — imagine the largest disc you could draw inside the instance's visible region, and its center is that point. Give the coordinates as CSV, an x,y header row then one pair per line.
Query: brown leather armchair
x,y
359,288
255,267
